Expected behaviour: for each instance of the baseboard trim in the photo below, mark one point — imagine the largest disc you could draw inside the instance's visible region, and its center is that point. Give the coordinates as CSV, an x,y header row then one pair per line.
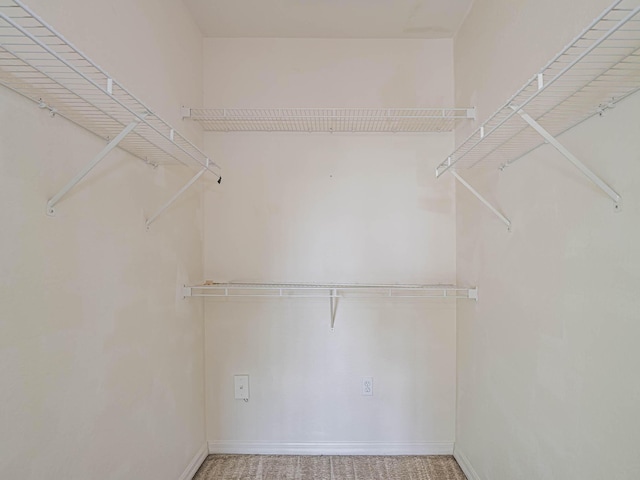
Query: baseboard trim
x,y
465,464
332,448
195,463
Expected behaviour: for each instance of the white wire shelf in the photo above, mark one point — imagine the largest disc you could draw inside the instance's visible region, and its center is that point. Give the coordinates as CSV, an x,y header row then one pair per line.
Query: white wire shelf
x,y
40,64
329,290
330,120
598,69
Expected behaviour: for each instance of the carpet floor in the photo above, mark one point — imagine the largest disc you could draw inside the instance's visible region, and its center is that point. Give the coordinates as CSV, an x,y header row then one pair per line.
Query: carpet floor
x,y
329,467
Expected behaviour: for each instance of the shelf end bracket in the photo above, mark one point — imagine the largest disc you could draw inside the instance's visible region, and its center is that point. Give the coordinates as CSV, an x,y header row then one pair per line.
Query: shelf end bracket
x,y
484,201
586,171
473,293
84,172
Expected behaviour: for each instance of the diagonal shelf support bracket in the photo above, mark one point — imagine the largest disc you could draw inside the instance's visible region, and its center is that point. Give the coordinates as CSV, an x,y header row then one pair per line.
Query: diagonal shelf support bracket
x,y
84,172
170,202
586,171
485,202
333,295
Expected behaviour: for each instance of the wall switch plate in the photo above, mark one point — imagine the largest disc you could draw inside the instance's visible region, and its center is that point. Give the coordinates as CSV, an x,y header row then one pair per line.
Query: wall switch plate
x,y
367,385
241,387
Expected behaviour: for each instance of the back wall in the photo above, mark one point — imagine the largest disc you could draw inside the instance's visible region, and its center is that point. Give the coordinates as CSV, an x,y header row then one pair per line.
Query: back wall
x,y
330,208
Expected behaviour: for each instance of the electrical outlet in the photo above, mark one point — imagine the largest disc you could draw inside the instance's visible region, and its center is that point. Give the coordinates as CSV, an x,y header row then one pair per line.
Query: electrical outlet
x,y
367,385
241,387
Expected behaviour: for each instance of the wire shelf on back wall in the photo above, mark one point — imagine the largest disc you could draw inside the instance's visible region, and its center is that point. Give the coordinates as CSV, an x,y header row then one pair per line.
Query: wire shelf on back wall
x,y
331,291
597,70
330,120
40,64
328,290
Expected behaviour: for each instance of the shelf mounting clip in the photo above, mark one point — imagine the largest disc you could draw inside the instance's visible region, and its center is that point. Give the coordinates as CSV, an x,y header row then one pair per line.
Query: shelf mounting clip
x,y
586,171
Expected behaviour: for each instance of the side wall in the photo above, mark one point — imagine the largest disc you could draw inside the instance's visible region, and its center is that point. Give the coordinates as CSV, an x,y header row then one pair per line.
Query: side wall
x,y
547,379
330,208
101,361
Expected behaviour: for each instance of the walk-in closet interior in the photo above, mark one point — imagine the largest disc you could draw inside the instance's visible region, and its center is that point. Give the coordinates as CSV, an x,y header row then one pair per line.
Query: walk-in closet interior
x,y
319,239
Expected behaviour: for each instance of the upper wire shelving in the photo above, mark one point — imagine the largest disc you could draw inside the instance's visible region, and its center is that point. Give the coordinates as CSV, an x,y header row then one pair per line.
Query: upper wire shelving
x,y
330,120
39,63
600,68
597,70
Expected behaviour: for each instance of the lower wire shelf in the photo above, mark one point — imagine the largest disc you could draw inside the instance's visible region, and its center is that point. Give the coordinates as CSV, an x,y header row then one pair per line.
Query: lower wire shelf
x,y
328,290
331,291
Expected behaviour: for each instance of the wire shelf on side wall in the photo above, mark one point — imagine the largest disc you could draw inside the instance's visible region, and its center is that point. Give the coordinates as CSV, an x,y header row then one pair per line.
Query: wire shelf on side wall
x,y
40,64
330,120
597,70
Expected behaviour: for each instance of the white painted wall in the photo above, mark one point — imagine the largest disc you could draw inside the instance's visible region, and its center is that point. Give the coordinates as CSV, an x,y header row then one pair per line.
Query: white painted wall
x,y
101,361
280,72
547,378
330,208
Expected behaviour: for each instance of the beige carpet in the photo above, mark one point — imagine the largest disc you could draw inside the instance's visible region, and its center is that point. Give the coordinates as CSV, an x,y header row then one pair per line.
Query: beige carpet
x,y
307,467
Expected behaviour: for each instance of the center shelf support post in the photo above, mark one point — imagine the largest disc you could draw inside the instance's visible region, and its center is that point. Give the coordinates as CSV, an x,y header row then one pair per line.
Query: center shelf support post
x,y
170,202
83,173
333,295
586,171
486,203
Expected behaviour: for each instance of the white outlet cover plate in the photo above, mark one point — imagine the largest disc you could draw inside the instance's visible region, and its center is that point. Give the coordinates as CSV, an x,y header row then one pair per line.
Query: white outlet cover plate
x,y
367,386
241,387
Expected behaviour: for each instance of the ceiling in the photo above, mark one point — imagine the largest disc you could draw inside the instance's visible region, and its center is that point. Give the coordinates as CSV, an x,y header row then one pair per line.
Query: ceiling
x,y
329,18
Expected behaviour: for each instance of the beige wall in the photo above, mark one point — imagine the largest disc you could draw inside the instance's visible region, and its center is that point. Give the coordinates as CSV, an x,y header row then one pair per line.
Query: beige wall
x,y
330,208
101,361
547,383
306,72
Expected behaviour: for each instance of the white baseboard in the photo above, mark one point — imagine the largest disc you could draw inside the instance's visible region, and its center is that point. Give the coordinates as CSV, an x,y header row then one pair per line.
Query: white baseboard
x,y
332,448
465,465
195,463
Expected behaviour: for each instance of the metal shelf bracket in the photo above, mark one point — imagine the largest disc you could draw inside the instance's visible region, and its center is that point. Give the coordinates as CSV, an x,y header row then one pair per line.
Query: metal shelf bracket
x,y
485,202
334,307
186,186
83,173
586,171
